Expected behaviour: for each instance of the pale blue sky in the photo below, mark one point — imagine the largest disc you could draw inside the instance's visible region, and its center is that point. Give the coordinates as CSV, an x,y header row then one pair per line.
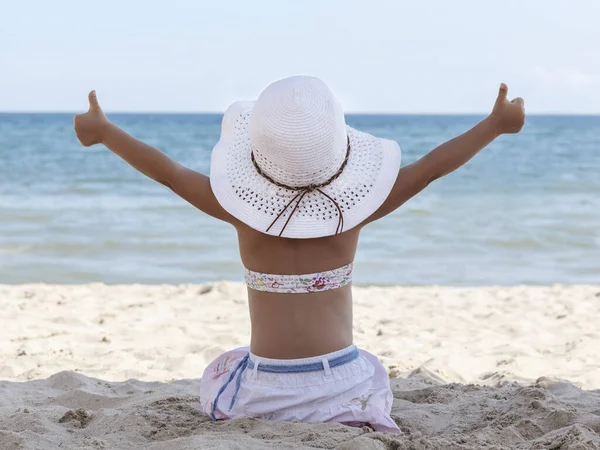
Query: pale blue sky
x,y
377,56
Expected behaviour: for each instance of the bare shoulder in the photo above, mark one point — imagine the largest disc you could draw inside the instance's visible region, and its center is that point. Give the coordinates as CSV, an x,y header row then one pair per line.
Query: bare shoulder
x,y
195,188
272,254
408,182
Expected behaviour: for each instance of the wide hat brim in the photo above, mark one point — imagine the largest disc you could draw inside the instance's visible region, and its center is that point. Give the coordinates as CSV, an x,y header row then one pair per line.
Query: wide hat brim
x,y
361,188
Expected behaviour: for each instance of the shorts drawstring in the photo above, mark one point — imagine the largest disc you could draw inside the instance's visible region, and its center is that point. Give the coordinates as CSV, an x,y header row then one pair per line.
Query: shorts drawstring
x,y
241,365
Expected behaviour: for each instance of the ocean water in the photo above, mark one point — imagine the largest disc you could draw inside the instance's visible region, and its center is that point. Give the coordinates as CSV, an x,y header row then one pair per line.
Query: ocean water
x,y
524,211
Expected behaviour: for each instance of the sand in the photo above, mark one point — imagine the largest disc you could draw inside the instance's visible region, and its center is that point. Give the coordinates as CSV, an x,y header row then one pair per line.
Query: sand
x,y
117,367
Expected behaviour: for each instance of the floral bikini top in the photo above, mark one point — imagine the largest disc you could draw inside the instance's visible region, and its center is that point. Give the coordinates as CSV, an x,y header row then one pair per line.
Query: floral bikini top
x,y
299,284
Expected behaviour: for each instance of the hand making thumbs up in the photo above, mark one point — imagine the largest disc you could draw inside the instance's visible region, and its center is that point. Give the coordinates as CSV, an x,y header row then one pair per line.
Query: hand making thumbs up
x,y
509,115
90,126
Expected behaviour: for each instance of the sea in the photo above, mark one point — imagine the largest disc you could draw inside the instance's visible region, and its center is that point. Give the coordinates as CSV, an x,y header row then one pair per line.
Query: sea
x,y
526,210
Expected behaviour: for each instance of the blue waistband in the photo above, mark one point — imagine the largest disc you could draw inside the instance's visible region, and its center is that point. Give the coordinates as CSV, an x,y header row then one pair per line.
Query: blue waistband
x,y
246,362
310,367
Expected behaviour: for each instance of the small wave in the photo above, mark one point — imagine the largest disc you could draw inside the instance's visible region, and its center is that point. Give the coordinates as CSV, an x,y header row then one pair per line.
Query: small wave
x,y
15,250
518,243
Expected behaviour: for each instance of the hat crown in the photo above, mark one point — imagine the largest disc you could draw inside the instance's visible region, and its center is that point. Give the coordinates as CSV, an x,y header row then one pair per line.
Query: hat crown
x,y
298,132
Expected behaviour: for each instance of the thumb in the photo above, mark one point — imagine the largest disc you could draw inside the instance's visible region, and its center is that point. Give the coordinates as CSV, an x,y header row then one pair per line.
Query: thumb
x,y
94,105
502,94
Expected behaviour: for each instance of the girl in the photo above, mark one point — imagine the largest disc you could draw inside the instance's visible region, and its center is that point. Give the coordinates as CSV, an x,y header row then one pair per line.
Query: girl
x,y
299,185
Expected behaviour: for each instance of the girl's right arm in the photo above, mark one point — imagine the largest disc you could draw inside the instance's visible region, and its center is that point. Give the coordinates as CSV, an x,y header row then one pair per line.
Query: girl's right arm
x,y
94,128
506,117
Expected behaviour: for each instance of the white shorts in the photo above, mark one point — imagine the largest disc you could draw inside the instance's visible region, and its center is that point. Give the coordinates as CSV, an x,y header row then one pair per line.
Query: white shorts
x,y
354,389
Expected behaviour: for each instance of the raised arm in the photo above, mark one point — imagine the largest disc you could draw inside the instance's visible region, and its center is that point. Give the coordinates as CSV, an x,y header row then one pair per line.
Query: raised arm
x,y
506,117
94,128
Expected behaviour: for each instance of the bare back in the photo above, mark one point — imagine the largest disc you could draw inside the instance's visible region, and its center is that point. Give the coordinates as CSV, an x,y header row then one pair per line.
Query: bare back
x,y
289,326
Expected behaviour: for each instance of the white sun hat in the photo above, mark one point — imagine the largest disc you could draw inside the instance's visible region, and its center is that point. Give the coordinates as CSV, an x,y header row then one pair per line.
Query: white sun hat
x,y
288,165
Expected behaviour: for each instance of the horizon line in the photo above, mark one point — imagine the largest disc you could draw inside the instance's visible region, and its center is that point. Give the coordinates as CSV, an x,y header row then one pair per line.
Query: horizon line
x,y
350,113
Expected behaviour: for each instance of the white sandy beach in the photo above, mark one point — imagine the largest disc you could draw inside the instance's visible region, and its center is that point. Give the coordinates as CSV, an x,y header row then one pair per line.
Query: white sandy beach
x,y
117,367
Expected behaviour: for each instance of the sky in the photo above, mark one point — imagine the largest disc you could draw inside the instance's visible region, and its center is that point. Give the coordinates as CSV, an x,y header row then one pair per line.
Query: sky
x,y
395,56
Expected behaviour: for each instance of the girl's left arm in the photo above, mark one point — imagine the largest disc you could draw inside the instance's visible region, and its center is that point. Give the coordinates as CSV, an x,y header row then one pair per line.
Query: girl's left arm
x,y
94,128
